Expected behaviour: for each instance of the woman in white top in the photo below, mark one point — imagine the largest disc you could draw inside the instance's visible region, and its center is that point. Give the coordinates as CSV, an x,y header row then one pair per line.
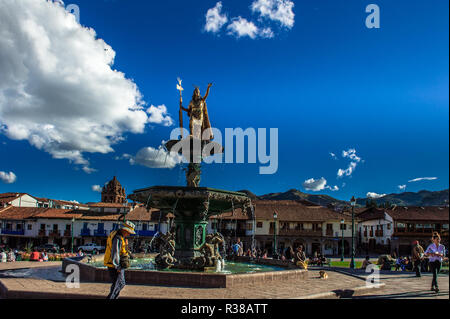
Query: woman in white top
x,y
435,253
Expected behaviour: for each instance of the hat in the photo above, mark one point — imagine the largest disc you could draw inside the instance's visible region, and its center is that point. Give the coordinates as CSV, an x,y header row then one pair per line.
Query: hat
x,y
128,227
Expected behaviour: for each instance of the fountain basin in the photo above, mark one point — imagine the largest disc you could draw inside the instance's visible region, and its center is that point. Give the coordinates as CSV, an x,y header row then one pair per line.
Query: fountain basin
x,y
283,271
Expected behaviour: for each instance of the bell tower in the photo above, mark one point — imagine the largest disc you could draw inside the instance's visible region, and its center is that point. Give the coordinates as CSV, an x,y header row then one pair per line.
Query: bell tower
x,y
113,192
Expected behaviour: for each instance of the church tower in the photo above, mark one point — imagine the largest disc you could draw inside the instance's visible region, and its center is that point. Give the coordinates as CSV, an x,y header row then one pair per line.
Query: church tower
x,y
113,192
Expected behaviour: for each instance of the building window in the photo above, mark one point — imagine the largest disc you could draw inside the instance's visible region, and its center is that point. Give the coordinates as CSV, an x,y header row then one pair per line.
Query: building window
x,y
259,225
249,226
144,226
42,226
67,226
29,226
55,227
389,226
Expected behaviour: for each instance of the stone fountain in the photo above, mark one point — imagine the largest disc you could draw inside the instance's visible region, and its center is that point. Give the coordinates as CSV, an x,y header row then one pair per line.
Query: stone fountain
x,y
187,245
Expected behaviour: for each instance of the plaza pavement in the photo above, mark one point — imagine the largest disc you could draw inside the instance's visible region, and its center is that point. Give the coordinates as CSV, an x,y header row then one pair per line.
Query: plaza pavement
x,y
342,283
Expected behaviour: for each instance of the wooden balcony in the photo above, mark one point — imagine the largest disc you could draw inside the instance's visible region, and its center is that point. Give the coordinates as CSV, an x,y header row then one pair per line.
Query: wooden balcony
x,y
378,233
295,232
416,233
54,233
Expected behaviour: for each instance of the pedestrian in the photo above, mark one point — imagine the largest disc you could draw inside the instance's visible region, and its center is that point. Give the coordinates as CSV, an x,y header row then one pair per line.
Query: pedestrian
x,y
117,257
3,257
435,252
417,257
366,262
300,258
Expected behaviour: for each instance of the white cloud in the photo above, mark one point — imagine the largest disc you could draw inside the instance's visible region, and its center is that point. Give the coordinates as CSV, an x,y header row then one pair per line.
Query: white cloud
x,y
214,19
7,178
351,154
355,159
348,171
422,179
158,115
276,10
374,195
154,158
268,10
58,88
402,187
333,156
240,27
96,188
316,185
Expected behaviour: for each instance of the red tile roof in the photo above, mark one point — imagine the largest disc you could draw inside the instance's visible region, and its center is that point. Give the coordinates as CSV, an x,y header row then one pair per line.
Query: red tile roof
x,y
19,213
102,204
413,213
287,210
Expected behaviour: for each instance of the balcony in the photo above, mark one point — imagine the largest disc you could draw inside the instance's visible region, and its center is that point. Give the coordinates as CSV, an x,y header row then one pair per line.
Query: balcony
x,y
85,232
42,233
12,232
295,232
419,233
99,233
329,233
378,233
145,233
67,233
54,233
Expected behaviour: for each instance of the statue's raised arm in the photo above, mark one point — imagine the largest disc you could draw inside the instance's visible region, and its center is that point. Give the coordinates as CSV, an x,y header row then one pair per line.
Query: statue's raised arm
x,y
207,91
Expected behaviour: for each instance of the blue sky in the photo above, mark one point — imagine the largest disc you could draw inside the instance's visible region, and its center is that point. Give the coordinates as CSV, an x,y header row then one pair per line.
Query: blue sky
x,y
328,84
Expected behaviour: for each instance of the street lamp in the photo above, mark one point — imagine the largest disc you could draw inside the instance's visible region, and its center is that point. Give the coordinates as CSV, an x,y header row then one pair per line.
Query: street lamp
x,y
342,239
71,228
353,203
275,216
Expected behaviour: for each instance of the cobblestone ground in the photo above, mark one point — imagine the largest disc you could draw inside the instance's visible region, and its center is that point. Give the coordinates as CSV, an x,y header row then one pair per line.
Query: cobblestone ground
x,y
408,286
398,285
313,285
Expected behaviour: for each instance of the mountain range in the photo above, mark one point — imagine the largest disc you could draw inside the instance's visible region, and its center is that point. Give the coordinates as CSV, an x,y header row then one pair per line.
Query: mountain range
x,y
421,198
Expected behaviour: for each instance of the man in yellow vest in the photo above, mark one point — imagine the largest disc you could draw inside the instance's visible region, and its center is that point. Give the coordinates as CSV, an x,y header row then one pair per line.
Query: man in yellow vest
x,y
117,257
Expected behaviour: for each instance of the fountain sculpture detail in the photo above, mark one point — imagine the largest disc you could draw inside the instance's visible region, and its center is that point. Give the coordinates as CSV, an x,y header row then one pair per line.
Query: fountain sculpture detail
x,y
187,246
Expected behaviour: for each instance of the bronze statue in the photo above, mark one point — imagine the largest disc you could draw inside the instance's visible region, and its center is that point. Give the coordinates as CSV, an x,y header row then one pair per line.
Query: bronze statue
x,y
198,114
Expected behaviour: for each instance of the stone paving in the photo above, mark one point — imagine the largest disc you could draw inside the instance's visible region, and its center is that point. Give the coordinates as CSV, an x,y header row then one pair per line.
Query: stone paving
x,y
405,285
313,285
397,285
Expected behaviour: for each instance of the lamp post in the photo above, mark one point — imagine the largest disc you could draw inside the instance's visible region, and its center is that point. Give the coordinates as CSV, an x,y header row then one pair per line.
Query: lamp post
x,y
342,240
275,216
353,203
71,228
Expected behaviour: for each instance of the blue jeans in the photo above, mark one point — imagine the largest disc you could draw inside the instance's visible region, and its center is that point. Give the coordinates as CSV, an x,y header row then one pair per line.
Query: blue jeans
x,y
435,268
118,282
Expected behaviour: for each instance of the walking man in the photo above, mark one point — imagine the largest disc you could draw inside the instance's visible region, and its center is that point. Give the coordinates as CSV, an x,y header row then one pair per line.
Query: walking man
x,y
417,257
435,252
117,257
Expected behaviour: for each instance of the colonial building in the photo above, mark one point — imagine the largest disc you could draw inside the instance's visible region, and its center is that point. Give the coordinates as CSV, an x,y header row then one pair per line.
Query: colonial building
x,y
20,226
18,200
316,228
113,192
394,230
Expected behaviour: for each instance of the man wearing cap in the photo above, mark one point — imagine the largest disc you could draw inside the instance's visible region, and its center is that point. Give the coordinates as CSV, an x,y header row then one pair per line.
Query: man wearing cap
x,y
417,257
117,257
